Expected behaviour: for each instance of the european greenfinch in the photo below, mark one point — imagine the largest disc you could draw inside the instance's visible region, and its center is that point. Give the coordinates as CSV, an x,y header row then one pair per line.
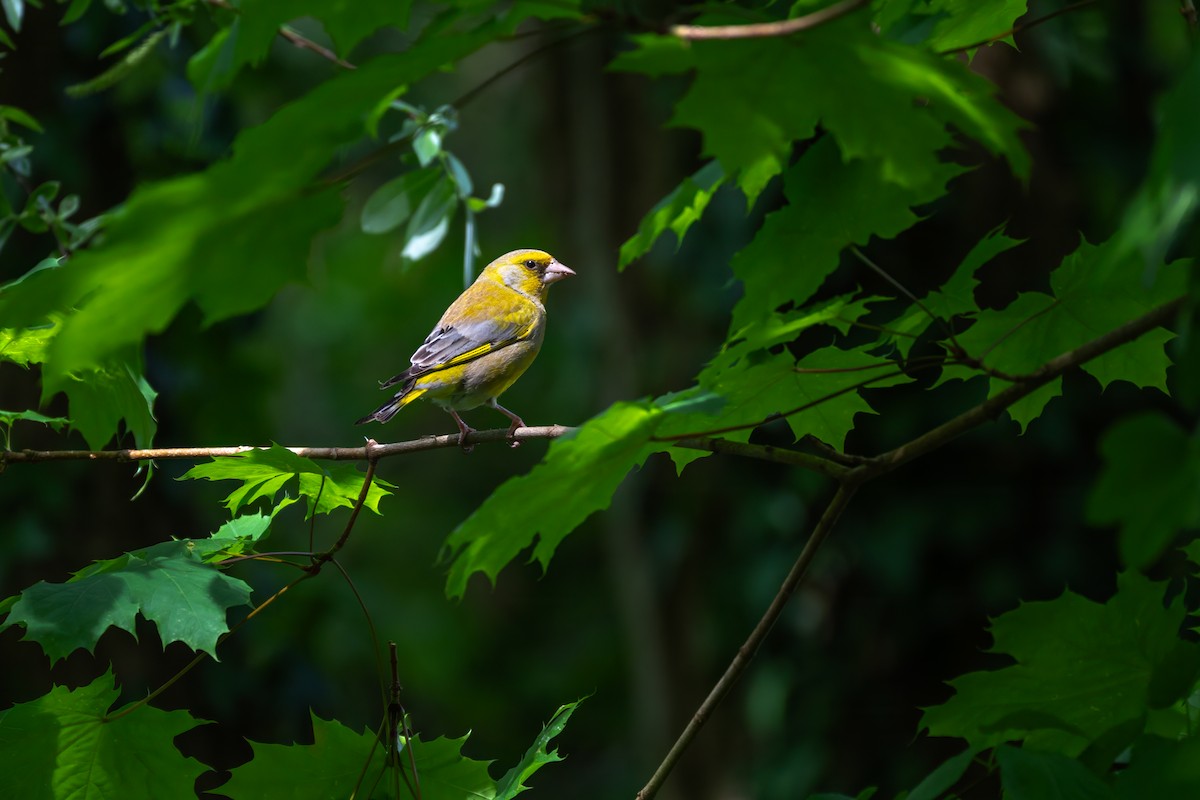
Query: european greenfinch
x,y
486,339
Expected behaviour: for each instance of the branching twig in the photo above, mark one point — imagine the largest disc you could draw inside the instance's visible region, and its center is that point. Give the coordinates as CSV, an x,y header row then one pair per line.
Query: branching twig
x,y
762,30
310,571
989,409
867,469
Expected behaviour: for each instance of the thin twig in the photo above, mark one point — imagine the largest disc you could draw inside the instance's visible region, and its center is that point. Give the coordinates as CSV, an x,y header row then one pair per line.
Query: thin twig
x,y
363,493
956,349
900,287
499,74
832,453
1188,9
762,30
312,521
766,452
742,426
747,651
292,36
304,43
1004,336
398,145
397,723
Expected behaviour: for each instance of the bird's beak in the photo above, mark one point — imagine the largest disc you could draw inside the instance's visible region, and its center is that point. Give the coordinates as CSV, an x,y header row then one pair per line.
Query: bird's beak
x,y
556,272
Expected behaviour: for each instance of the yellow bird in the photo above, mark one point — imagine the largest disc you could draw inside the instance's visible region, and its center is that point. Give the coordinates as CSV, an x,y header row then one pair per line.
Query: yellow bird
x,y
486,339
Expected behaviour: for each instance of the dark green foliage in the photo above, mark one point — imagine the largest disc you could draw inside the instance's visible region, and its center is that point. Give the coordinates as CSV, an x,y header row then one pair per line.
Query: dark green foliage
x,y
261,264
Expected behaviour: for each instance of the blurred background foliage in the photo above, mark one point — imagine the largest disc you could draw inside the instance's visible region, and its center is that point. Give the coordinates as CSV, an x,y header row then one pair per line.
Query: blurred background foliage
x,y
644,608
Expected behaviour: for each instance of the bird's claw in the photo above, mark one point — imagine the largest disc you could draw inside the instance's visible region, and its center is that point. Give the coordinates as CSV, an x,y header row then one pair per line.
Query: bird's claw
x,y
512,432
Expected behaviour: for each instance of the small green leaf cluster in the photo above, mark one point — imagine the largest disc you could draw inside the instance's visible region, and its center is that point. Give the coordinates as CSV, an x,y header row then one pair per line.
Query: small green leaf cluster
x,y
428,196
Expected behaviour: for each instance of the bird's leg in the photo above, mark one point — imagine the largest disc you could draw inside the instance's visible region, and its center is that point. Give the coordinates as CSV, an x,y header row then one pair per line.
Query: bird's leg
x,y
517,422
463,430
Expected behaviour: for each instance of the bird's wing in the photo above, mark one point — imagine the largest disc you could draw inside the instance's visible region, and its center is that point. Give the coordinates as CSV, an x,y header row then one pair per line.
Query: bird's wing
x,y
482,320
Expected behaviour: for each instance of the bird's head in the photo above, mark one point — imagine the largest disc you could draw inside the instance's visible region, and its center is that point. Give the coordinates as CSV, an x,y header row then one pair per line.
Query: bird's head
x,y
527,271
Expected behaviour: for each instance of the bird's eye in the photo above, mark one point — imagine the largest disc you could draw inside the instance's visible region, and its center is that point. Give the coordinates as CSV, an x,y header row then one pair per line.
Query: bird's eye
x,y
531,264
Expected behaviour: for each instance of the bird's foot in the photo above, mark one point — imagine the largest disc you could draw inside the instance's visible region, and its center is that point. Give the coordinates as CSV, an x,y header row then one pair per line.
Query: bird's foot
x,y
512,432
463,430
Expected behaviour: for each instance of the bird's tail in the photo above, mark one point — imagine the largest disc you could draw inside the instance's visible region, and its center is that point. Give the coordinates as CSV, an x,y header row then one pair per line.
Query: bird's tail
x,y
389,409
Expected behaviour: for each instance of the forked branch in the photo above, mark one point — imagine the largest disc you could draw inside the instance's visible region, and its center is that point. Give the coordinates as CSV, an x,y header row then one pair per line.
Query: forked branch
x,y
867,469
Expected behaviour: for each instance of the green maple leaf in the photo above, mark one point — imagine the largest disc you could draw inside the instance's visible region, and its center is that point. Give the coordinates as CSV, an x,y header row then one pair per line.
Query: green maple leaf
x,y
264,473
335,764
1082,669
61,746
1091,295
167,583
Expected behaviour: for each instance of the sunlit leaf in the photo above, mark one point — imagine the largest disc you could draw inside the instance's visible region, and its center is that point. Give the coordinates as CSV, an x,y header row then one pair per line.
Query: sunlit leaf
x,y
675,212
537,756
576,479
841,76
965,22
66,748
430,221
264,473
26,346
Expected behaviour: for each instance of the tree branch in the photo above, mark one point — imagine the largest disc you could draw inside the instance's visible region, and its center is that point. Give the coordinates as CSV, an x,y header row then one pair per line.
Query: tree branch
x,y
1187,8
989,409
317,453
747,651
777,455
851,478
762,30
